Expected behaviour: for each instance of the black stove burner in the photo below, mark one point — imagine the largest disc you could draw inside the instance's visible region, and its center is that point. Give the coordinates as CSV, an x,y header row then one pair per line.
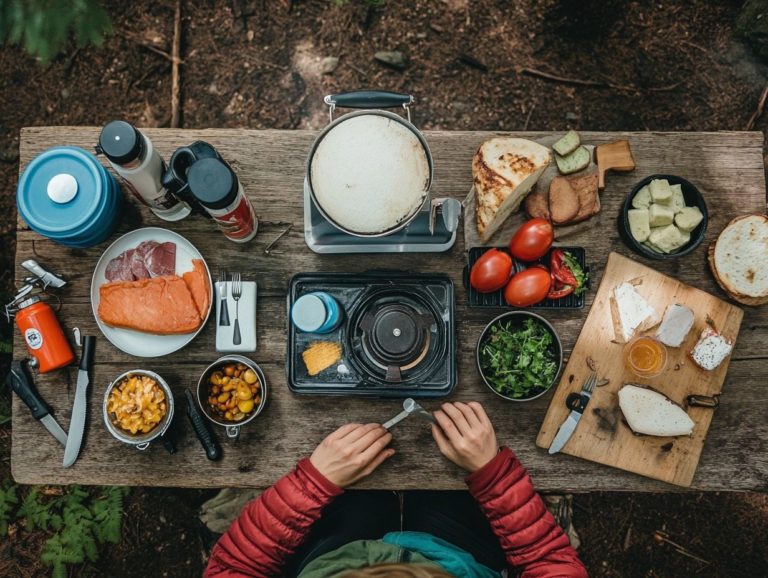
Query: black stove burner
x,y
396,337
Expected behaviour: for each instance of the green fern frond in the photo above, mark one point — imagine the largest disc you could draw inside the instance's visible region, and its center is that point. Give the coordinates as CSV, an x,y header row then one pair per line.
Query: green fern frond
x,y
35,513
8,499
44,27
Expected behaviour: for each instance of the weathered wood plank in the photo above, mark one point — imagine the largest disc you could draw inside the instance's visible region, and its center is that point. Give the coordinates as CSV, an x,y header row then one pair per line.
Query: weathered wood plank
x,y
735,456
727,166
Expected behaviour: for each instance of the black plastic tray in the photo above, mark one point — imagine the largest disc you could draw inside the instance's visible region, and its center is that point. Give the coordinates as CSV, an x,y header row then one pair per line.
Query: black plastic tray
x,y
496,299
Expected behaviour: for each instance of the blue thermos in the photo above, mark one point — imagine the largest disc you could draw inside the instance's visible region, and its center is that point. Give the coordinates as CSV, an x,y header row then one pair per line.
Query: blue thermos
x,y
65,194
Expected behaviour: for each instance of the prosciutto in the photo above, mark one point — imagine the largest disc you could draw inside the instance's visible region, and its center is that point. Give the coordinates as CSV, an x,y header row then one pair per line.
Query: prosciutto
x,y
148,260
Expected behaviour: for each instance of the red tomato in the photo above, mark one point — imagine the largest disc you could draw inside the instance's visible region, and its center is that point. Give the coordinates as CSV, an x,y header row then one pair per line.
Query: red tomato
x,y
491,271
528,287
532,240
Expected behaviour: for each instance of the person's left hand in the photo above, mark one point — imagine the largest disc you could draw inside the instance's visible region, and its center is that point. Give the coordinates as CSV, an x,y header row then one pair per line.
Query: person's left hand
x,y
352,453
465,435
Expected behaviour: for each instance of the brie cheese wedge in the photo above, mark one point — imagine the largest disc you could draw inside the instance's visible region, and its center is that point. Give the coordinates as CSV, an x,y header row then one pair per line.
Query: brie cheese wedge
x,y
674,328
631,312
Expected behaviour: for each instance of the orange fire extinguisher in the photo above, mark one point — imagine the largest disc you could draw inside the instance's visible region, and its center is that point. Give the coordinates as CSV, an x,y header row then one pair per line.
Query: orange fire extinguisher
x,y
43,335
37,321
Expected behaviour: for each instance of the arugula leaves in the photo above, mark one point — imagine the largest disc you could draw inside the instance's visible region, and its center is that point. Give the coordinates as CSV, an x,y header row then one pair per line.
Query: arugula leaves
x,y
519,361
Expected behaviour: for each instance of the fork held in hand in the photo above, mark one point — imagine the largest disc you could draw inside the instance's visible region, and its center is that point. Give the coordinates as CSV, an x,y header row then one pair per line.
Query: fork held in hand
x,y
237,292
223,309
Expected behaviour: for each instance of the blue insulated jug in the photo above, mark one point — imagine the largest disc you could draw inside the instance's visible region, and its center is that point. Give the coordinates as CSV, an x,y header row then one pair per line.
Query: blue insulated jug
x,y
65,194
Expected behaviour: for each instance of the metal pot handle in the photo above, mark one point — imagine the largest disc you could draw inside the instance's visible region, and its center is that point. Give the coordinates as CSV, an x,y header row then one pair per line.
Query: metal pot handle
x,y
142,446
369,99
233,431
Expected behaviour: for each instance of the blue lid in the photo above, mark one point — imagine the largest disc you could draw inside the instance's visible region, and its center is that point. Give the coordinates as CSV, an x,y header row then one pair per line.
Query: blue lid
x,y
308,313
62,191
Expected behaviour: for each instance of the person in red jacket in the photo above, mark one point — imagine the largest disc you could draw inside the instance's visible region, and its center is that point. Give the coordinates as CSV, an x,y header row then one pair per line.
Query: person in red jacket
x,y
298,527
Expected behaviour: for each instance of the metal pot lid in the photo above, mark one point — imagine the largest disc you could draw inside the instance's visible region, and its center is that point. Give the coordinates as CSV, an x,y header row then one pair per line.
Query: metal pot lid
x,y
370,171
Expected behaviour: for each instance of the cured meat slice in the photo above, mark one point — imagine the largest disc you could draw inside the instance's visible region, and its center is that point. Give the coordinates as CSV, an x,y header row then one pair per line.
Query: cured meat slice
x,y
138,269
199,286
161,305
119,268
159,258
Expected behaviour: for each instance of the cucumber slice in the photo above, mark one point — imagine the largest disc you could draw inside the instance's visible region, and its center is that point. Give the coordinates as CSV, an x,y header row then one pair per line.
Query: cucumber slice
x,y
567,144
574,162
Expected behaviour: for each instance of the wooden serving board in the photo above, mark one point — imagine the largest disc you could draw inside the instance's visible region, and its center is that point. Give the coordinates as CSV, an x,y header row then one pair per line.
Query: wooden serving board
x,y
602,434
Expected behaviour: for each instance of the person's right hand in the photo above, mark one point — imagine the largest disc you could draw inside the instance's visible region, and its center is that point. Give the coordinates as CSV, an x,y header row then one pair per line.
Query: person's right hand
x,y
465,435
352,452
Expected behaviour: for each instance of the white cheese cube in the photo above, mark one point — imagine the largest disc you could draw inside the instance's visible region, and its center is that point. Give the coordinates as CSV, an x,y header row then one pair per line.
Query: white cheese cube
x,y
642,198
678,200
688,219
660,215
661,192
639,224
669,239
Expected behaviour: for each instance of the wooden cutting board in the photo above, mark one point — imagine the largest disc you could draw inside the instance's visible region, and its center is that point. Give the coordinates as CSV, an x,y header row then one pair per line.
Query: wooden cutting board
x,y
602,434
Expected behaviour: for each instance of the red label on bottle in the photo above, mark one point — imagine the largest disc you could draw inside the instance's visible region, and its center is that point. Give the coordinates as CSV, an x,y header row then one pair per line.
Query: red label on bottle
x,y
237,221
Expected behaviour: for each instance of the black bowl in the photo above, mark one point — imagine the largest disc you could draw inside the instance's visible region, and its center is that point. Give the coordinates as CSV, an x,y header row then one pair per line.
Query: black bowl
x,y
517,318
693,198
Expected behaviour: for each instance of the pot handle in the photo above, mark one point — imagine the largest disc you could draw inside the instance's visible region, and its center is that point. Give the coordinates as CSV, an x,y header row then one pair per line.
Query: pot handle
x,y
233,432
369,99
142,446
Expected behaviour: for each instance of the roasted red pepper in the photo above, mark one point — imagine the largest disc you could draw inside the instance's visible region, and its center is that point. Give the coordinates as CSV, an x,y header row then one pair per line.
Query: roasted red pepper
x,y
560,269
560,292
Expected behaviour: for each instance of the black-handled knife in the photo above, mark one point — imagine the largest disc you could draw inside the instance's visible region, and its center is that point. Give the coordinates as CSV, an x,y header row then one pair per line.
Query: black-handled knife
x,y
22,384
202,431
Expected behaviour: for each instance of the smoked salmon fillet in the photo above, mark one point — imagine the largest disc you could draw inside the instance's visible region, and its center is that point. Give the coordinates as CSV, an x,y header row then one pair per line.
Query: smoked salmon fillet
x,y
197,281
160,305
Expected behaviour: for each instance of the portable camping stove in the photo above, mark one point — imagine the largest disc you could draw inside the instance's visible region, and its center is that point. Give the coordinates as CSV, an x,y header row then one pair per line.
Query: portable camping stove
x,y
322,237
397,338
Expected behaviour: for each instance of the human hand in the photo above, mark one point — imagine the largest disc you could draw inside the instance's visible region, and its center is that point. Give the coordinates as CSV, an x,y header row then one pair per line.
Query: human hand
x,y
352,452
465,435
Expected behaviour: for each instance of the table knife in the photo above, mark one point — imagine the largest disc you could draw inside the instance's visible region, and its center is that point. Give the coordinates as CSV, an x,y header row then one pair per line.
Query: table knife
x,y
77,423
21,383
577,402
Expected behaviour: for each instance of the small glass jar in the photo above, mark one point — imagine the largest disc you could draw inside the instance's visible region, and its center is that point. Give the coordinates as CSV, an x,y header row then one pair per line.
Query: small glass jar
x,y
645,356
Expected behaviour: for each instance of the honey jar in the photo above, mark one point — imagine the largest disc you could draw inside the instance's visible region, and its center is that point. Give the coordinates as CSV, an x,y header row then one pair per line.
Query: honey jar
x,y
645,356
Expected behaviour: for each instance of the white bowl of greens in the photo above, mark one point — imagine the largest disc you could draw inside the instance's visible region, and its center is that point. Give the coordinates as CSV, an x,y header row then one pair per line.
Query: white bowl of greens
x,y
519,355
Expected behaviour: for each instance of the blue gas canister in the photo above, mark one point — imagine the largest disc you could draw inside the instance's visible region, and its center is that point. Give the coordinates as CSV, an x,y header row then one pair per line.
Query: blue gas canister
x,y
65,194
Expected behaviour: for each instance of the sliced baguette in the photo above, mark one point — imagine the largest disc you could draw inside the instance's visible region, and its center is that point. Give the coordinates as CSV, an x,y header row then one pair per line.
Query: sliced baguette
x,y
504,171
563,201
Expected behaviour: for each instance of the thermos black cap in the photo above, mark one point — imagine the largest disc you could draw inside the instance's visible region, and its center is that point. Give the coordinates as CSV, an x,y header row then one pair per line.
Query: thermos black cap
x,y
121,142
212,183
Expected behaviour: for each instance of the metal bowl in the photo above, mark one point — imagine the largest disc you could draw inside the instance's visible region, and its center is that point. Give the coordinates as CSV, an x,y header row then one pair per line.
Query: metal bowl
x,y
517,317
140,441
232,428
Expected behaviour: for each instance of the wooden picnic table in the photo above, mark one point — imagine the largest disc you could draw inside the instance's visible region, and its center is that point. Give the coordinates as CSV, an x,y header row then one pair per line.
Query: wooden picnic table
x,y
726,166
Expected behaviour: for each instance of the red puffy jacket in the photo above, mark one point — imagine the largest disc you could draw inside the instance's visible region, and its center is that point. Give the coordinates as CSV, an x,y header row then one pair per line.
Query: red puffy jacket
x,y
273,526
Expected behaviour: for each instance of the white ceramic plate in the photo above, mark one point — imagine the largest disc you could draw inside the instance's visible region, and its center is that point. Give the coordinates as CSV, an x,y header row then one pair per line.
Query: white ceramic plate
x,y
136,342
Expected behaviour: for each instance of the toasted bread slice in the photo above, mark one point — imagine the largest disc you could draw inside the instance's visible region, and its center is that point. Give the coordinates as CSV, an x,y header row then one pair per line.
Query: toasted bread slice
x,y
504,170
563,201
589,200
537,205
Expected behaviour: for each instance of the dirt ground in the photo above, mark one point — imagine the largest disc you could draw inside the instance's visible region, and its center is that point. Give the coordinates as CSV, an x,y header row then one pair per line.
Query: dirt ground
x,y
471,65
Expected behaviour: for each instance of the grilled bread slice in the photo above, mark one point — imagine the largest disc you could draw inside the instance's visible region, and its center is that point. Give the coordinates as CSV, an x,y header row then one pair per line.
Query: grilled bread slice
x,y
504,170
739,259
